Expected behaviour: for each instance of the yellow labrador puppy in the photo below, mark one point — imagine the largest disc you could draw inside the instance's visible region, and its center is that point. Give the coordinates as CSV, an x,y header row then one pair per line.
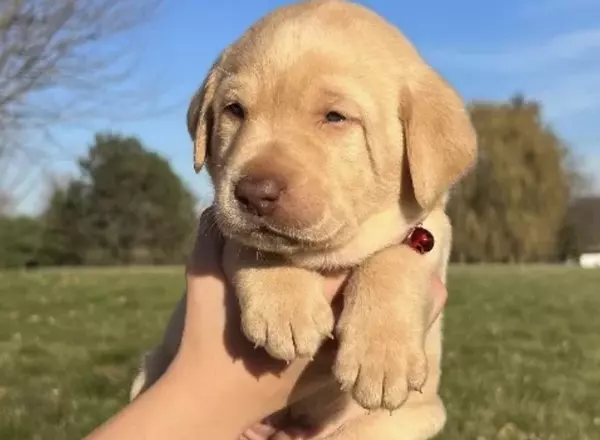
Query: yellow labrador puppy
x,y
328,139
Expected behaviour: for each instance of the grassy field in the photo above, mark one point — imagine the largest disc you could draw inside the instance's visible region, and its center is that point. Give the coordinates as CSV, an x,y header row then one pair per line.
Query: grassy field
x,y
522,349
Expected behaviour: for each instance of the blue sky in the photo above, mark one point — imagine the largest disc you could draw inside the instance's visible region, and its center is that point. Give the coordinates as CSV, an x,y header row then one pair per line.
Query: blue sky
x,y
547,49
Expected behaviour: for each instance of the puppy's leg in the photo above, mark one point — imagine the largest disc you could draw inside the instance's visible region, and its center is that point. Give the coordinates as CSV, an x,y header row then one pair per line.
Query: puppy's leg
x,y
153,366
157,361
283,308
382,327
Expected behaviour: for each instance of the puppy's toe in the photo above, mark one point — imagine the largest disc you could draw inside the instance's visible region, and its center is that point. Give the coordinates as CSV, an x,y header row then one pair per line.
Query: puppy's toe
x,y
417,369
280,342
346,370
310,327
323,319
395,389
254,327
306,341
368,389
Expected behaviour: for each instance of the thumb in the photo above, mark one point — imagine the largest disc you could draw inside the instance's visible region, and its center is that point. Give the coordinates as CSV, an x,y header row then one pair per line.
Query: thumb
x,y
439,295
206,254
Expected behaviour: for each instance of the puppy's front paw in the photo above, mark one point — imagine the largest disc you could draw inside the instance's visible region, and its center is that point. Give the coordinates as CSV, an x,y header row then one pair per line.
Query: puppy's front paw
x,y
381,357
288,315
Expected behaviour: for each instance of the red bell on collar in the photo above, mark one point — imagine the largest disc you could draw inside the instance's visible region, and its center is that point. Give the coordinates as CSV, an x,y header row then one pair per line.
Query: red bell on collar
x,y
420,239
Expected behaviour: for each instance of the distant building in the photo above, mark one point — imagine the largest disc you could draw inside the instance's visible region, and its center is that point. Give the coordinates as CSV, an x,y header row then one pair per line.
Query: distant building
x,y
590,258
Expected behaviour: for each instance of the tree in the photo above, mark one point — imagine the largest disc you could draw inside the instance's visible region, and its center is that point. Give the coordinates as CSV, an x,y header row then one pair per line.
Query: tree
x,y
513,205
61,62
20,238
127,207
61,44
584,216
65,238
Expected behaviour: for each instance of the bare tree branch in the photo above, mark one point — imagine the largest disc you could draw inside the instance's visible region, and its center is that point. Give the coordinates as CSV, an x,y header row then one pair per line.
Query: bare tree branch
x,y
65,62
49,45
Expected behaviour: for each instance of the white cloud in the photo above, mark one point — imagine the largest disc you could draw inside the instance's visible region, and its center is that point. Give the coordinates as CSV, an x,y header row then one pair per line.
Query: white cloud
x,y
562,71
529,57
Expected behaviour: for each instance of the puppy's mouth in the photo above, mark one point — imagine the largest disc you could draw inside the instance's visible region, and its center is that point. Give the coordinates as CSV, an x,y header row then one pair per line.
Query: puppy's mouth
x,y
265,229
261,234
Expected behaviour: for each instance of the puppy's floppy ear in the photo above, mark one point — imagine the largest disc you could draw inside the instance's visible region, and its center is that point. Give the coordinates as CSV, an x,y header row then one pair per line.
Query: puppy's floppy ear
x,y
200,117
440,141
198,126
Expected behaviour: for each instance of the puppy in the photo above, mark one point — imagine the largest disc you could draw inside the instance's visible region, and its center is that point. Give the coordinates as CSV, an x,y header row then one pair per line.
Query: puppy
x,y
328,138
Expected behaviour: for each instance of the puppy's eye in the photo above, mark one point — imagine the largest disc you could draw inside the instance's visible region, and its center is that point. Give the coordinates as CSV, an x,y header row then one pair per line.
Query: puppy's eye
x,y
235,109
335,117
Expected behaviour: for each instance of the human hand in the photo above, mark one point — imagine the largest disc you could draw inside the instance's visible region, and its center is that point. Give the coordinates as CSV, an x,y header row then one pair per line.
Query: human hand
x,y
215,358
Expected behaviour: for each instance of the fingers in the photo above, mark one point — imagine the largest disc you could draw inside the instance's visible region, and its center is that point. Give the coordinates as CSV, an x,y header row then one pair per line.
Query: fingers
x,y
259,432
334,283
439,295
206,253
230,258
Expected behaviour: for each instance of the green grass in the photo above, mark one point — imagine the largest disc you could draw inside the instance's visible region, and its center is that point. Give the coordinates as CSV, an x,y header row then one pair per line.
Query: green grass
x,y
522,349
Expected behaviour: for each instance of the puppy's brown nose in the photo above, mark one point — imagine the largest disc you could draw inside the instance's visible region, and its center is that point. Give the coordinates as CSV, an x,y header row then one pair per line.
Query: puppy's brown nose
x,y
258,195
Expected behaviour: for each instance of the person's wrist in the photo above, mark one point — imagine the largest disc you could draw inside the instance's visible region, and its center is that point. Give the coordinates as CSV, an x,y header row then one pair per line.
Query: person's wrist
x,y
220,401
227,386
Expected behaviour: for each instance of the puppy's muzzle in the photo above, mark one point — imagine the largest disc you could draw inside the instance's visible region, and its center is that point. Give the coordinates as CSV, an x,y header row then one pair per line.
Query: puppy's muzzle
x,y
276,197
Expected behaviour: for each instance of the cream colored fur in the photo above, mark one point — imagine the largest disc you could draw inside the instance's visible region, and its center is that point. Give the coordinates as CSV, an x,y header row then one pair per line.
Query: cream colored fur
x,y
354,190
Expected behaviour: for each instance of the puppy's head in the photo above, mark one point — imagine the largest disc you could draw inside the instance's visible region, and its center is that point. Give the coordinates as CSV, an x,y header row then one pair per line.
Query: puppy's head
x,y
320,117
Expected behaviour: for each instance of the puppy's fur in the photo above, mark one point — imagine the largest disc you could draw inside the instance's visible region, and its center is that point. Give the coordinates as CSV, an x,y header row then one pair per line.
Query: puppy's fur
x,y
352,188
